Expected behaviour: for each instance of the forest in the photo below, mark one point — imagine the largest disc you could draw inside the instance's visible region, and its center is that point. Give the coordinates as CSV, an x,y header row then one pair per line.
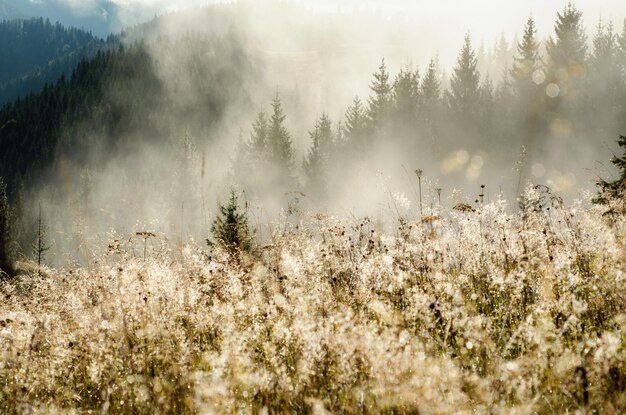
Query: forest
x,y
193,220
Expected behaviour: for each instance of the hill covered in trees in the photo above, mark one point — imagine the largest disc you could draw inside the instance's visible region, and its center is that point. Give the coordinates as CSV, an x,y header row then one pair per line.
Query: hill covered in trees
x,y
35,52
98,17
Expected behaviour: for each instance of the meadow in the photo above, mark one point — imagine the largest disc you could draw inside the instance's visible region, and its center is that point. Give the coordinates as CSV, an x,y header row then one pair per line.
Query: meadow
x,y
482,308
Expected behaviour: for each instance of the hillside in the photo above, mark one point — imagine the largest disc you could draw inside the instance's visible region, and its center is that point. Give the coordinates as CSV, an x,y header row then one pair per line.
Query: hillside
x,y
98,17
117,101
35,52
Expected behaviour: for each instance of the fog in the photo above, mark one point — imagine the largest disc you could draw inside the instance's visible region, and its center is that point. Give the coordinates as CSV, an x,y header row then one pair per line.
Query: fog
x,y
315,57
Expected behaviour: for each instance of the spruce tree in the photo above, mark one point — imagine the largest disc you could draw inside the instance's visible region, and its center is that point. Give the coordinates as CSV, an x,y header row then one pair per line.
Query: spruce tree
x,y
278,141
605,82
406,97
430,91
251,153
6,253
380,101
567,52
528,86
230,228
40,246
615,189
527,63
258,136
464,94
316,162
431,84
355,121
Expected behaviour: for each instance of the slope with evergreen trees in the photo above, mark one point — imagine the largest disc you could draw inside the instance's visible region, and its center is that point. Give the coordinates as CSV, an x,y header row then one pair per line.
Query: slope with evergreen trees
x,y
35,52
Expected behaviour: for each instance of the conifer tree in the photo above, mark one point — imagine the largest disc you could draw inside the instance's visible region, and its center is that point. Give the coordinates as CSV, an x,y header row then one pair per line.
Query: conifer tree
x,y
380,101
40,246
430,91
316,162
527,63
278,141
355,121
615,189
605,81
464,93
528,86
6,254
258,136
431,84
567,52
230,228
604,60
406,97
250,153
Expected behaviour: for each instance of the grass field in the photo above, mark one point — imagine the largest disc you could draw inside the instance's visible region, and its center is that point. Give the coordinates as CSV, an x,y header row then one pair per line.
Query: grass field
x,y
464,310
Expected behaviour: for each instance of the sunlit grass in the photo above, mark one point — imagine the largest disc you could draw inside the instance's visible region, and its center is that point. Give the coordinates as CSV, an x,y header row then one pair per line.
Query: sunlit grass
x,y
466,310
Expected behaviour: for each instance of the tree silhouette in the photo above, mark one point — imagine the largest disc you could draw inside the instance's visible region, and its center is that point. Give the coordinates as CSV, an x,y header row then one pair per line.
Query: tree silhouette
x,y
567,53
464,93
316,162
230,228
527,63
6,254
380,101
615,189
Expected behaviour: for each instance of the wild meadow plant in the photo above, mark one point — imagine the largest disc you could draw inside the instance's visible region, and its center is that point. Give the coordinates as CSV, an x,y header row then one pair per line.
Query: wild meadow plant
x,y
474,309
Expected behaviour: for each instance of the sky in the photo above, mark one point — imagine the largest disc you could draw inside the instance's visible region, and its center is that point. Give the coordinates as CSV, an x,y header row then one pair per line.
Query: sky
x,y
443,22
488,16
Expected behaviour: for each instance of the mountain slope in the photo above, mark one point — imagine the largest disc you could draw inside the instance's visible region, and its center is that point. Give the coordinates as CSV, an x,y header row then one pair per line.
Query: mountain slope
x,y
35,52
119,100
98,17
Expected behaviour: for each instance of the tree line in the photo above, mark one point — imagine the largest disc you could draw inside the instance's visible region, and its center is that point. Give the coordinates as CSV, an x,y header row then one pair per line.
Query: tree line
x,y
562,88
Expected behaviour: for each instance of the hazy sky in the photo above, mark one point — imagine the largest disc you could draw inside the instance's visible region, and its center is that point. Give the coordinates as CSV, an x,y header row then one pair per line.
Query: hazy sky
x,y
443,22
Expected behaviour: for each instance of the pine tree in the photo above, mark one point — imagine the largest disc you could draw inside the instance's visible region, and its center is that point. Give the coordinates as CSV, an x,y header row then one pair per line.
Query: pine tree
x,y
355,121
278,141
604,60
605,84
258,136
406,97
528,86
464,94
527,63
431,84
486,106
6,253
230,228
567,52
430,91
316,162
251,153
616,189
40,246
380,101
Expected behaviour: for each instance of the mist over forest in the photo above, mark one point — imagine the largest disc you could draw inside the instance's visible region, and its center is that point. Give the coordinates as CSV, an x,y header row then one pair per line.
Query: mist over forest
x,y
303,108
312,207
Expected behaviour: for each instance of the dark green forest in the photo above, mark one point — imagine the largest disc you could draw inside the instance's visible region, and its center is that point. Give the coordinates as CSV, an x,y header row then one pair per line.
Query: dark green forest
x,y
36,52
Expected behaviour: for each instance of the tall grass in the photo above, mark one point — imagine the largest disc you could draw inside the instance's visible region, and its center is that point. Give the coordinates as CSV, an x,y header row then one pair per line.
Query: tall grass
x,y
472,310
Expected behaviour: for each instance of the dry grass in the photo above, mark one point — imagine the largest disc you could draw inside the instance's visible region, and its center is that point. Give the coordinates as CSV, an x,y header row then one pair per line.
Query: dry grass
x,y
477,311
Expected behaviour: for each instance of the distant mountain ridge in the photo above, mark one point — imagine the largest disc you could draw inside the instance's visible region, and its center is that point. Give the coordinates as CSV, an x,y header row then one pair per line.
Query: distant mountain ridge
x,y
100,20
34,52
